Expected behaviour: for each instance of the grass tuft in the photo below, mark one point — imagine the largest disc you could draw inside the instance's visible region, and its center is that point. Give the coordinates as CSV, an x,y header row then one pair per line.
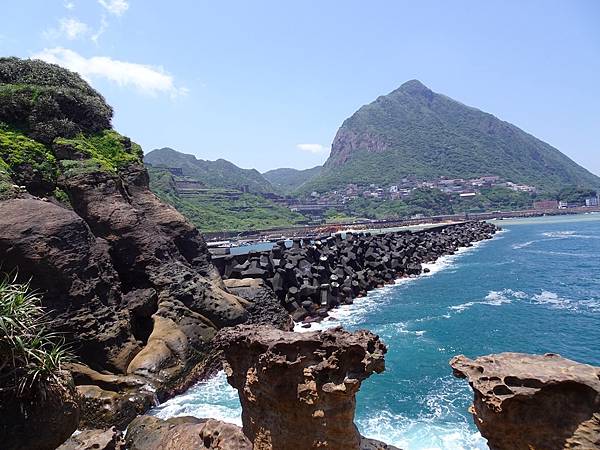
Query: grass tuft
x,y
30,355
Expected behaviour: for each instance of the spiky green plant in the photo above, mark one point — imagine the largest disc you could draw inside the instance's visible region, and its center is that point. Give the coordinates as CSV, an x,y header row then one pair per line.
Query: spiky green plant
x,y
30,355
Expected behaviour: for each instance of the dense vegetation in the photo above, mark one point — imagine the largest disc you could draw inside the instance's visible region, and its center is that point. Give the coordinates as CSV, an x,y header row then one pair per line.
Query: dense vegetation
x,y
30,355
287,181
53,125
416,132
45,101
216,174
215,212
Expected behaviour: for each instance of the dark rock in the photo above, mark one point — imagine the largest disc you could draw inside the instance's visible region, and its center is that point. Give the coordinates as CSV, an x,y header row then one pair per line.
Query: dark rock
x,y
39,419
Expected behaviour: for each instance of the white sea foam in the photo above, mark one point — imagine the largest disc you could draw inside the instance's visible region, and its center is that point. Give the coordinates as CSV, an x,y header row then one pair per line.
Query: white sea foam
x,y
438,425
355,313
213,398
493,298
420,434
523,245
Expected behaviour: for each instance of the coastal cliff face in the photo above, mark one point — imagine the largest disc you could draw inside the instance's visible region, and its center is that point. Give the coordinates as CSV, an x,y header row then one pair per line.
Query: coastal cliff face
x,y
126,279
532,401
300,381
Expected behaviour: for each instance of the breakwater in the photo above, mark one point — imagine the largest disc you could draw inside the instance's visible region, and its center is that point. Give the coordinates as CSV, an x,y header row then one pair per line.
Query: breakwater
x,y
312,276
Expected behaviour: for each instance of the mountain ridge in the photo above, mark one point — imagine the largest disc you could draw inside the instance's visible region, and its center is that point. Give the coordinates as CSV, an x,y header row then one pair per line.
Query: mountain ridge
x,y
220,173
414,131
287,179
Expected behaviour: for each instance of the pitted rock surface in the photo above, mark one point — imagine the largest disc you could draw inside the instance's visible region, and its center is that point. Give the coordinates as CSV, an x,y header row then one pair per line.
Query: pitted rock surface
x,y
126,278
298,389
184,433
533,401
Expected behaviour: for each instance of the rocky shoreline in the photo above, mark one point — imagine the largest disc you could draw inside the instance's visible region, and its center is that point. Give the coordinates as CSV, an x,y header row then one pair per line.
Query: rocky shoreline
x,y
130,286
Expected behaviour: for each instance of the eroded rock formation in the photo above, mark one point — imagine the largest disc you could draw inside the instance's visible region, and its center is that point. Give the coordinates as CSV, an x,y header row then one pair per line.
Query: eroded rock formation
x,y
533,401
184,433
298,389
125,277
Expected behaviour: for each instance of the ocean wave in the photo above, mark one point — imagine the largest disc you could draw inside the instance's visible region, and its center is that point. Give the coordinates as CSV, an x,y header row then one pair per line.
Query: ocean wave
x,y
555,301
416,434
348,315
523,245
213,398
568,234
493,298
440,423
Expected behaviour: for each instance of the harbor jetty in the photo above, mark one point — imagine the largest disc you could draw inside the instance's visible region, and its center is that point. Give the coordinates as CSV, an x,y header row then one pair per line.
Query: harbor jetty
x,y
312,276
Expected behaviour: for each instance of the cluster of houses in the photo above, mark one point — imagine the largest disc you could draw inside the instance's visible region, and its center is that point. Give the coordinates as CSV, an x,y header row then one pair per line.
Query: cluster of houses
x,y
590,202
455,186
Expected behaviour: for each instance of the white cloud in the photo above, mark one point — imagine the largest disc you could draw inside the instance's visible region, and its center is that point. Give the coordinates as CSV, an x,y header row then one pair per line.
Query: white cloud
x,y
69,5
116,7
73,28
312,148
146,79
101,29
69,28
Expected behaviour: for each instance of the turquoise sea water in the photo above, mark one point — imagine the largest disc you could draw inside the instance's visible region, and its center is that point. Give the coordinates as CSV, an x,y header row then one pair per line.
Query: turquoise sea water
x,y
534,288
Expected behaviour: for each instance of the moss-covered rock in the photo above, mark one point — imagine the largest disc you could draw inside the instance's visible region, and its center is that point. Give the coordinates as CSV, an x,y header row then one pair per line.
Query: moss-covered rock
x,y
27,162
107,150
47,101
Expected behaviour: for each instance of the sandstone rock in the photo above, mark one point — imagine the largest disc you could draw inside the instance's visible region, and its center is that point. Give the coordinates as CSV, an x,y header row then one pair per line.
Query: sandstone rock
x,y
105,408
184,433
298,389
111,439
43,419
127,279
532,401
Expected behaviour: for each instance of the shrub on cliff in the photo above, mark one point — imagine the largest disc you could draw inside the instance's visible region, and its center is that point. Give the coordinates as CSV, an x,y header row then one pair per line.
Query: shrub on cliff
x,y
30,356
47,101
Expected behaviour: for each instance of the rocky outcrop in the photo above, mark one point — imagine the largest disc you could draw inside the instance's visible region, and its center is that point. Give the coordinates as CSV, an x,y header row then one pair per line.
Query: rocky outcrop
x,y
264,307
184,433
297,390
313,276
533,401
39,419
126,279
110,439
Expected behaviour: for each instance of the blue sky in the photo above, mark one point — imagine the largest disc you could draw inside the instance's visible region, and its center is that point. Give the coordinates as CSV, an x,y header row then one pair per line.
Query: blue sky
x,y
266,84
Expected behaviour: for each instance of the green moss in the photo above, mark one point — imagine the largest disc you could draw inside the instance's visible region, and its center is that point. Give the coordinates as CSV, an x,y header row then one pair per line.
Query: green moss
x,y
107,150
62,197
7,187
26,161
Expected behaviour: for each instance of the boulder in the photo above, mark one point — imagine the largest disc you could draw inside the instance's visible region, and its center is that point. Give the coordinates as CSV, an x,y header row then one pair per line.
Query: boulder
x,y
184,433
110,439
298,390
40,419
533,401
